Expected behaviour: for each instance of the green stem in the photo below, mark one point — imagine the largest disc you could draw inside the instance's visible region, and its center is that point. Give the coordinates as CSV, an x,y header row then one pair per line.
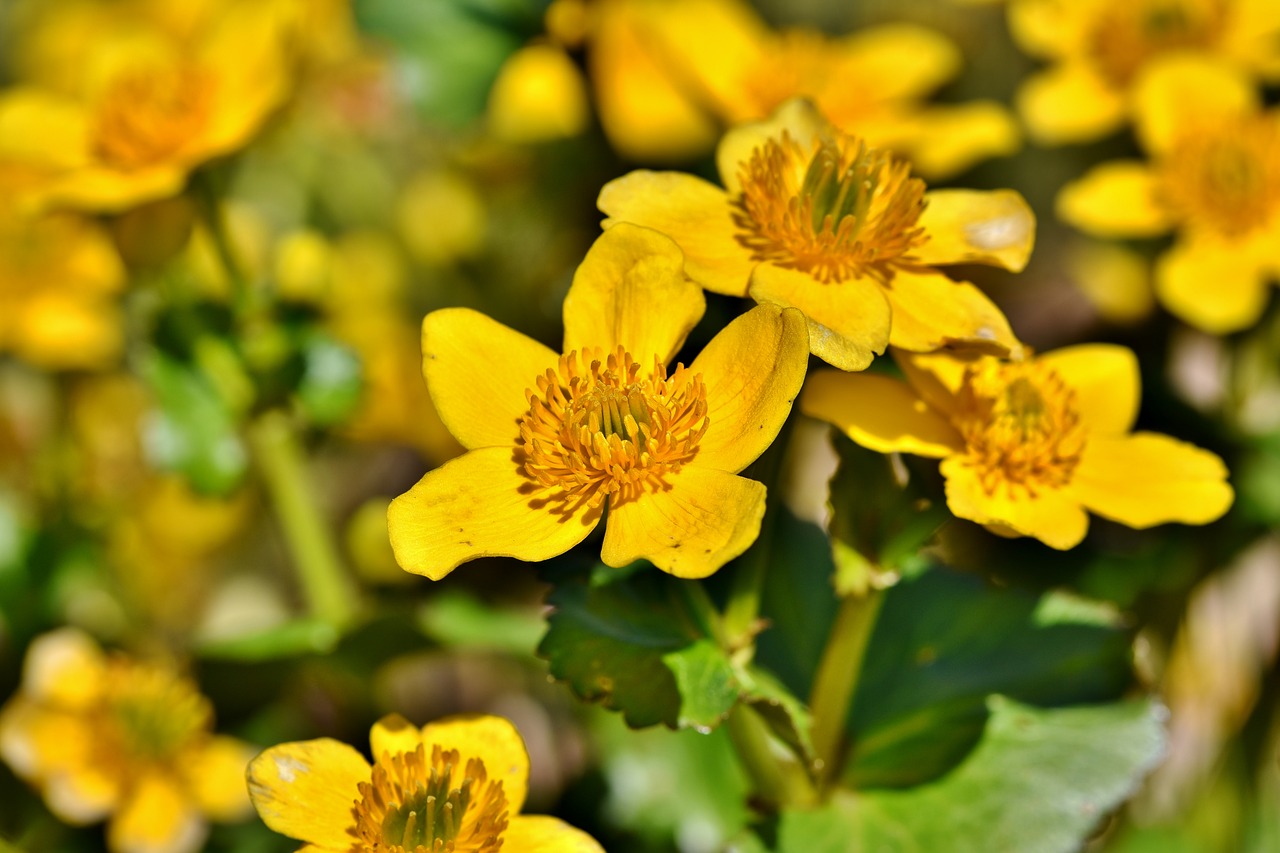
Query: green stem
x,y
836,682
777,780
211,211
328,590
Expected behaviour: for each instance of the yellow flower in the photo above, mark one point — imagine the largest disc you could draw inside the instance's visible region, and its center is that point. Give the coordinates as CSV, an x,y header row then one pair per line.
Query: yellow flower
x,y
813,218
1214,176
455,785
538,96
109,736
1099,49
554,439
1027,446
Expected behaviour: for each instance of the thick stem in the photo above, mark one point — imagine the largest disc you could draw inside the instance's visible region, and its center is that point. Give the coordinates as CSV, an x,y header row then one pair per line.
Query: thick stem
x,y
777,780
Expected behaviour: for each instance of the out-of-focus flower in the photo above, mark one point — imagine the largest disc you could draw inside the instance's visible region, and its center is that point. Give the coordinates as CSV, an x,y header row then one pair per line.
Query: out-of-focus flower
x,y
813,218
441,216
1115,279
1099,49
1028,446
552,439
457,784
107,736
1214,177
539,95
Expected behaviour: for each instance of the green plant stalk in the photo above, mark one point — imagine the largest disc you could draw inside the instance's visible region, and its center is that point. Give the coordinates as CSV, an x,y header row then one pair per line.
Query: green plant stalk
x,y
210,207
778,782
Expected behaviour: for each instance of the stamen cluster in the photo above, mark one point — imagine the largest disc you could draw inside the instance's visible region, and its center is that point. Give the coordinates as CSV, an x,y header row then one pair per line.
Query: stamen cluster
x,y
1125,37
1225,176
150,715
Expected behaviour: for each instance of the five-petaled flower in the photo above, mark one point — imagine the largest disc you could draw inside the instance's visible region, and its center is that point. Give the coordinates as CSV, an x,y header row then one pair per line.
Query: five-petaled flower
x,y
554,440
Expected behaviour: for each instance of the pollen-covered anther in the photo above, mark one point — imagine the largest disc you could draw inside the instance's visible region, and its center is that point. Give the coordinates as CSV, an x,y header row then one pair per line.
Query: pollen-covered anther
x,y
836,210
602,427
147,115
1225,176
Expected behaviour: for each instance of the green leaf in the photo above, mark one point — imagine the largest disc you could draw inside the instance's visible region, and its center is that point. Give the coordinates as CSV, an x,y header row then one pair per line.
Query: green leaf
x,y
291,639
458,619
1039,780
708,684
331,383
778,706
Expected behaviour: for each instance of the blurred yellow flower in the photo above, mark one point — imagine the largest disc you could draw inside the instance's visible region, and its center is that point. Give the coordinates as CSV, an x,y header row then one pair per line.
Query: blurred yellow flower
x,y
1028,446
539,95
106,736
813,218
1214,176
454,785
554,439
1098,50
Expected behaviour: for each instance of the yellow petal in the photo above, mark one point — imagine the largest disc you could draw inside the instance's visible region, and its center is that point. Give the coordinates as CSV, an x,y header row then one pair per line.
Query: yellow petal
x,y
495,741
702,520
1253,36
631,290
1069,103
879,413
942,141
39,127
158,817
1048,28
1116,199
1053,516
64,668
1116,279
1212,285
542,834
993,227
692,212
477,371
930,311
215,776
306,790
797,117
481,505
539,96
753,370
936,376
896,61
100,189
848,321
1106,382
1187,91
1146,479
59,330
393,734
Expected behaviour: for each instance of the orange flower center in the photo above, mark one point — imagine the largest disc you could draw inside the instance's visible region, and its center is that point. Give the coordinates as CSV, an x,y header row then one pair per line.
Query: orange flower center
x,y
149,114
412,805
1125,36
837,211
149,715
602,427
1021,425
1226,177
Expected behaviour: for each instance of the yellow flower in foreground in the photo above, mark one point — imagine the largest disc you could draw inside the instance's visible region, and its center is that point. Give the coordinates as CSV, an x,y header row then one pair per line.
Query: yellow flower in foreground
x,y
552,440
453,786
813,218
107,736
1099,49
1028,446
1214,176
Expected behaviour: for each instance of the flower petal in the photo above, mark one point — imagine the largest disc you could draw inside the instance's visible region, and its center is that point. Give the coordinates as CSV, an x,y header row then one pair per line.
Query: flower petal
x,y
1048,28
1106,382
930,311
848,321
631,290
477,371
393,734
307,790
37,126
1069,103
542,834
944,140
158,817
1186,91
993,227
937,377
897,60
100,189
753,370
55,750
879,413
690,211
495,741
481,505
702,520
1054,516
215,776
1115,278
65,330
64,668
1212,285
797,117
1116,199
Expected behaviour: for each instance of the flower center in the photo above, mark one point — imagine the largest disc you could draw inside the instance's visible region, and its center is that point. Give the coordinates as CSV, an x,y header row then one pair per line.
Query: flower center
x,y
151,714
412,805
1126,36
147,115
1021,426
1225,177
838,211
602,427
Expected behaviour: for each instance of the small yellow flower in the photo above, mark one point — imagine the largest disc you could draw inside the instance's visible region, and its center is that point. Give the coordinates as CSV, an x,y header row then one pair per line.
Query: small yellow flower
x,y
107,736
1099,49
813,218
1214,176
539,96
554,439
455,785
1028,446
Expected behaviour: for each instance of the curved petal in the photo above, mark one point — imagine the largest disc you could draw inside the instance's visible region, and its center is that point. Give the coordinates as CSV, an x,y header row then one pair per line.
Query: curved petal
x,y
700,521
1116,199
65,668
101,189
879,413
1146,479
944,140
393,734
1212,285
481,505
55,749
895,61
937,377
930,311
631,290
215,776
1069,103
157,818
542,834
1185,91
753,370
993,227
1047,28
39,127
797,117
691,211
848,321
1054,516
1106,381
495,741
307,790
477,371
